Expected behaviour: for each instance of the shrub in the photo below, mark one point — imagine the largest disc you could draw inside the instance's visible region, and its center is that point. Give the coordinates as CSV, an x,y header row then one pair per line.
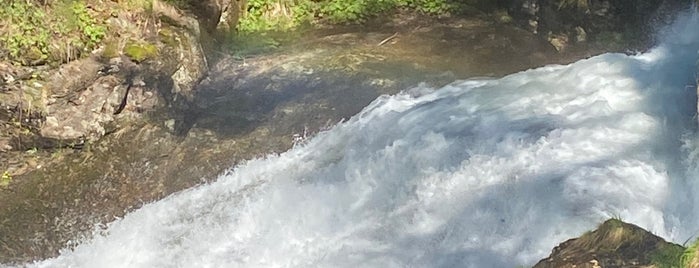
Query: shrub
x,y
265,15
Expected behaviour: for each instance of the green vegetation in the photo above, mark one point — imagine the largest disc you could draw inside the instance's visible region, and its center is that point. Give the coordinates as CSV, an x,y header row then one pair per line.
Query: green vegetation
x,y
36,34
689,255
5,179
140,51
265,15
91,30
668,256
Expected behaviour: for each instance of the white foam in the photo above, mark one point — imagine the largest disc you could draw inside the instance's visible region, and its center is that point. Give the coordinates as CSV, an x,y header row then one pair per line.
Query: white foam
x,y
487,173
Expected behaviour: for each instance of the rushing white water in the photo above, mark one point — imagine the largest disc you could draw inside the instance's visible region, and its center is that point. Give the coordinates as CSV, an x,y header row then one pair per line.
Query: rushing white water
x,y
481,173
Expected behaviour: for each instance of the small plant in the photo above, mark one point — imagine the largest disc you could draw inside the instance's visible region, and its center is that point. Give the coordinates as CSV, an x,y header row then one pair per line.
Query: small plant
x,y
90,29
34,34
25,34
5,179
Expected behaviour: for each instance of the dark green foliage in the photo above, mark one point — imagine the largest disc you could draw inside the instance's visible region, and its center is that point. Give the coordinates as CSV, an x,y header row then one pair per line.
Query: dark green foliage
x,y
263,15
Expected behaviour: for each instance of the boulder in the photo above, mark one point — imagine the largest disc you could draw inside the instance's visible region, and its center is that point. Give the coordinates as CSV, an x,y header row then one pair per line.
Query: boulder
x,y
86,96
614,244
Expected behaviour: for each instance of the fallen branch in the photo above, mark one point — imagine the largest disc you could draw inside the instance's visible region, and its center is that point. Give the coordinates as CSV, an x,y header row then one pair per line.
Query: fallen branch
x,y
387,39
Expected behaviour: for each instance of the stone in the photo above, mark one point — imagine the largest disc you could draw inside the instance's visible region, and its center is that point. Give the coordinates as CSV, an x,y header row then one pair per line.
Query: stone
x,y
613,244
580,34
558,41
72,77
86,114
191,64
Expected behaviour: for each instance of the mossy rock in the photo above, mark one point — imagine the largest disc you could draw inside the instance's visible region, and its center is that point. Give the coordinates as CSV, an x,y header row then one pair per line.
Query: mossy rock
x,y
615,244
140,52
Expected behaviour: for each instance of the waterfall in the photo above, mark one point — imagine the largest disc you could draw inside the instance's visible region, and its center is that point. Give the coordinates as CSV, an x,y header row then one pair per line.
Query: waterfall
x,y
480,173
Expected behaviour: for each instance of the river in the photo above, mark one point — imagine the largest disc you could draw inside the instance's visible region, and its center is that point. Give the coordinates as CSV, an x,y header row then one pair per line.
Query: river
x,y
479,173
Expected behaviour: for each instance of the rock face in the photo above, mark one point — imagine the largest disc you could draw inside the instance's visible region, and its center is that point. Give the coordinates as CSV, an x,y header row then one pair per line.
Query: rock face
x,y
221,15
604,20
614,244
160,63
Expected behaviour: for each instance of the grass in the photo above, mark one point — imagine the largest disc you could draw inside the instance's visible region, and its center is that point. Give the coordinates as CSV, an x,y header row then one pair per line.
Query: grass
x,y
668,257
688,258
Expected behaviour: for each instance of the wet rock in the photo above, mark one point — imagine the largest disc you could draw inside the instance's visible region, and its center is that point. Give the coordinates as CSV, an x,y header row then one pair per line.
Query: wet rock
x,y
614,244
629,17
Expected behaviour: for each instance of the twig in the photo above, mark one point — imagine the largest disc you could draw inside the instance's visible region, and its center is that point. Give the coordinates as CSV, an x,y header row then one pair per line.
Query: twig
x,y
387,39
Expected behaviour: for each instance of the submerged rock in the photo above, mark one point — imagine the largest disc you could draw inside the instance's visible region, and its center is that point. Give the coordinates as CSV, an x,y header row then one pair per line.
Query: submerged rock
x,y
614,244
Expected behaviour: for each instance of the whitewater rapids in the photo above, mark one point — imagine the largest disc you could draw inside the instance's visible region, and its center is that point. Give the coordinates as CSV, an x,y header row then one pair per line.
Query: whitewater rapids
x,y
480,173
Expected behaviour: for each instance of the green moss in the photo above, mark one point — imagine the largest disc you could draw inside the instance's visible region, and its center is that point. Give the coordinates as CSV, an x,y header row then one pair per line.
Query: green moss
x,y
140,52
667,256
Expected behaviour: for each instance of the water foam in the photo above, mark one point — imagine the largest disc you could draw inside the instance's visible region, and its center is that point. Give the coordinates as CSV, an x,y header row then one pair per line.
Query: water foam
x,y
481,173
